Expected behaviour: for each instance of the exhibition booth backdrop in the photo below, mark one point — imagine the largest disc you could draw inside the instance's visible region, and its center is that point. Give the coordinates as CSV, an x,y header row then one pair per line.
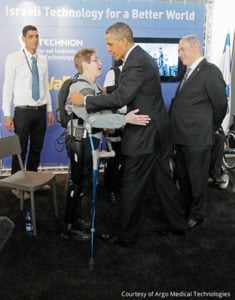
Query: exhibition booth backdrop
x,y
66,28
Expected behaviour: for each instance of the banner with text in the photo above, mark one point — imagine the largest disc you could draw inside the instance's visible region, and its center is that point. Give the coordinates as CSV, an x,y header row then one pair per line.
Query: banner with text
x,y
66,27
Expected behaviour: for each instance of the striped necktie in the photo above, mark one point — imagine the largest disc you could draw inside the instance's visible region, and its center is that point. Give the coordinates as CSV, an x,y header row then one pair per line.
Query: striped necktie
x,y
185,77
35,80
186,73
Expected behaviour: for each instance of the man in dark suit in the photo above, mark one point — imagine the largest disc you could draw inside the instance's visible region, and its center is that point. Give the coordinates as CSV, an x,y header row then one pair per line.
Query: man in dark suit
x,y
145,147
196,113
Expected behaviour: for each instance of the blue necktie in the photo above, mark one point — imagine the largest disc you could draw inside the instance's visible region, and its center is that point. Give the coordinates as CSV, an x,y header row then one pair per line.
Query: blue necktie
x,y
35,80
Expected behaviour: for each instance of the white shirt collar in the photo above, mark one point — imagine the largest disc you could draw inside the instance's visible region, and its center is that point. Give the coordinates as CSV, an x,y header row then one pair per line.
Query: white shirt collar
x,y
29,54
128,52
195,64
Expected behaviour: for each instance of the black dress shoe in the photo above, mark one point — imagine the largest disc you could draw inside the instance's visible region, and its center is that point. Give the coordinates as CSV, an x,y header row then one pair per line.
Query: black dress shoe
x,y
122,243
108,238
83,224
68,232
115,240
218,179
163,232
193,223
114,198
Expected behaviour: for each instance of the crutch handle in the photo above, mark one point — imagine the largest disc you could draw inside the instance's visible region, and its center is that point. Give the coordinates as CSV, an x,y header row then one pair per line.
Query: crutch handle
x,y
105,154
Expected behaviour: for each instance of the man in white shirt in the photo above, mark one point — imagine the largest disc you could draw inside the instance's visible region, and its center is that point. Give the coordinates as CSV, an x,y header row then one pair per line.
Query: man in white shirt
x,y
31,113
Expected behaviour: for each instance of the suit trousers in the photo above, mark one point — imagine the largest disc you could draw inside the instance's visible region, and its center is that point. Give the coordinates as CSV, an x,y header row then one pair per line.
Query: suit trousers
x,y
217,152
192,164
30,126
138,169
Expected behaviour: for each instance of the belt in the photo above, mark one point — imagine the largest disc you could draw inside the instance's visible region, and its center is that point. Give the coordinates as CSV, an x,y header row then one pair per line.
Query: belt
x,y
32,107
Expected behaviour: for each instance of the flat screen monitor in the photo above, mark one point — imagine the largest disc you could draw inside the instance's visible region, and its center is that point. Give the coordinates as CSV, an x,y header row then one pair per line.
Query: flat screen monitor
x,y
165,52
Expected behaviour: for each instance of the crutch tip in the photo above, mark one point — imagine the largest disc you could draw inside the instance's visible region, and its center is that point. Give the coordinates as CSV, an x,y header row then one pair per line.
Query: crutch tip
x,y
91,263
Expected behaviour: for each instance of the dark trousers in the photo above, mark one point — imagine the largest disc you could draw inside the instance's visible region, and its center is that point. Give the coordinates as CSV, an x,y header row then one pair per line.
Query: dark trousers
x,y
78,194
114,169
192,164
30,126
217,152
138,170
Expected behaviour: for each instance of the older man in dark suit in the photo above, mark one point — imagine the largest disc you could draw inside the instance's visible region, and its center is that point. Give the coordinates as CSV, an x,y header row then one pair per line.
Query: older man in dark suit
x,y
145,147
196,113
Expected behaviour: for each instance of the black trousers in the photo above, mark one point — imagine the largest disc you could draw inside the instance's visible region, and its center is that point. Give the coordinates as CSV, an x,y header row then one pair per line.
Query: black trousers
x,y
78,194
192,163
138,170
217,152
114,169
30,126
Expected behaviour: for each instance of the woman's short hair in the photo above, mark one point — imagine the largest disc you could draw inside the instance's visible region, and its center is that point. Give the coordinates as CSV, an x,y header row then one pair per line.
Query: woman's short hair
x,y
83,55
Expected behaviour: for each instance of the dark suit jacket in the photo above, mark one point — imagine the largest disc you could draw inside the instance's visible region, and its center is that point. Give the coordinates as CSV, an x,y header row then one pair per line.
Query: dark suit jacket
x,y
198,107
139,87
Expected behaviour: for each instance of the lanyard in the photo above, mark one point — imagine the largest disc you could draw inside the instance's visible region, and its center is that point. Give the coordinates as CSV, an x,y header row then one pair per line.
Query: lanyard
x,y
30,68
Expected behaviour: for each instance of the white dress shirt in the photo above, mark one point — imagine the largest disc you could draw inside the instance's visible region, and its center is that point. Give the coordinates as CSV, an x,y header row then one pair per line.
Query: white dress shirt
x,y
128,53
17,87
109,78
194,65
110,81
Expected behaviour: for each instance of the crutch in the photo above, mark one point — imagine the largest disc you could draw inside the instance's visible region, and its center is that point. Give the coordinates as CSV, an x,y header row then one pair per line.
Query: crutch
x,y
96,155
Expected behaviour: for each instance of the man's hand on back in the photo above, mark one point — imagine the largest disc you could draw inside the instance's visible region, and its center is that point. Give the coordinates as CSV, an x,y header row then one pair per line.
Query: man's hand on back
x,y
76,98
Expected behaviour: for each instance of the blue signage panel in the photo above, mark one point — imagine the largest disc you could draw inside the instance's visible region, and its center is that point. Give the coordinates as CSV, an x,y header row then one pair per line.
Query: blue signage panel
x,y
66,27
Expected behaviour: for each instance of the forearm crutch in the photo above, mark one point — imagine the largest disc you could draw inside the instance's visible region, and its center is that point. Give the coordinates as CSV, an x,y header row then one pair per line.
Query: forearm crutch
x,y
97,154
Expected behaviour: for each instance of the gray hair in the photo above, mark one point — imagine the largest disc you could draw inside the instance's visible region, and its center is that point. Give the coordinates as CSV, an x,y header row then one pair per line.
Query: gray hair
x,y
192,40
121,30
